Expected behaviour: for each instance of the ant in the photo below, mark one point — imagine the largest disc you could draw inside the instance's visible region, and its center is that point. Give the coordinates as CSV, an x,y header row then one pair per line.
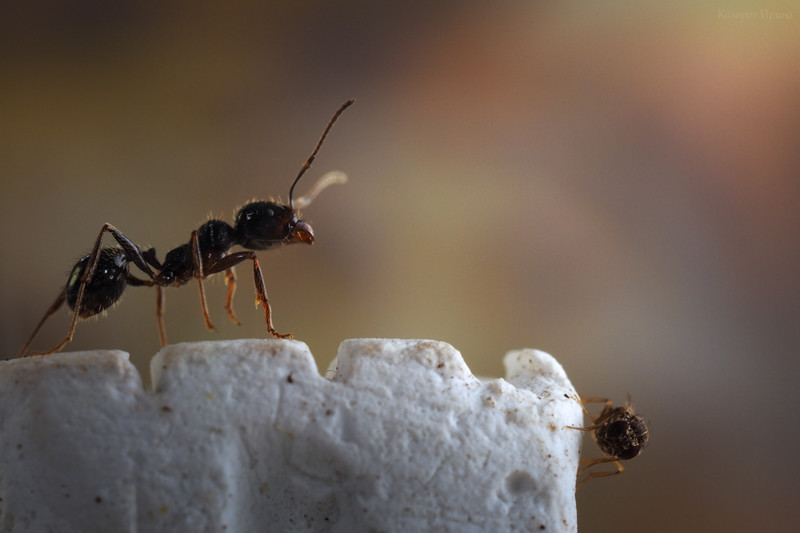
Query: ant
x,y
99,278
620,434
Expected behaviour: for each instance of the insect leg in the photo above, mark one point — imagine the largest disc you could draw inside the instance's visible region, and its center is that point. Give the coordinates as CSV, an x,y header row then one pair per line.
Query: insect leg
x,y
234,259
87,275
591,462
600,419
199,275
159,303
162,334
133,254
608,404
56,305
149,256
230,281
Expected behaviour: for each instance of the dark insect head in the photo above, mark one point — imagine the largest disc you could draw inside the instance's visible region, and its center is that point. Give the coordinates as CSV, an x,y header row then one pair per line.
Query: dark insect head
x,y
262,225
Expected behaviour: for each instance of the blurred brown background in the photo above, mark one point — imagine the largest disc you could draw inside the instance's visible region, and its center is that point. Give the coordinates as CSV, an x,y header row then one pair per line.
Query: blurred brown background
x,y
615,184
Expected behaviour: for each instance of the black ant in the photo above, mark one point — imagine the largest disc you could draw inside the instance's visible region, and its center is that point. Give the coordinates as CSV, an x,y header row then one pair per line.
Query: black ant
x,y
98,279
620,434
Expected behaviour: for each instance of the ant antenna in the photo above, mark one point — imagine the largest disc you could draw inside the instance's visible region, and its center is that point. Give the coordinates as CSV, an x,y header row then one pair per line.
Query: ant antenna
x,y
310,159
329,178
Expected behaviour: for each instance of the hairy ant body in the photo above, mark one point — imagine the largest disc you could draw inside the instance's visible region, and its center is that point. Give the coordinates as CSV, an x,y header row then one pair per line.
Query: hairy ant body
x,y
99,278
620,434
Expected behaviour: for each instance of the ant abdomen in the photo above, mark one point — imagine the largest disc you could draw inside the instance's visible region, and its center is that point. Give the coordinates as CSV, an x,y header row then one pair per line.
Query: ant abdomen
x,y
106,285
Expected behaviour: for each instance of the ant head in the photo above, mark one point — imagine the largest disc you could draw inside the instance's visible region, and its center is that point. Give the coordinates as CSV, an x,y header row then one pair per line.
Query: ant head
x,y
262,225
305,200
623,434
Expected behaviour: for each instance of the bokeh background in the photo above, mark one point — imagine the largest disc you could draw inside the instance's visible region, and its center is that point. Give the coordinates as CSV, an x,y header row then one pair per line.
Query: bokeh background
x,y
615,183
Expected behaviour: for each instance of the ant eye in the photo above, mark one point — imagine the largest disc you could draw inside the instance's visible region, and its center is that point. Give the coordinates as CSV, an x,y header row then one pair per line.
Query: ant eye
x,y
259,211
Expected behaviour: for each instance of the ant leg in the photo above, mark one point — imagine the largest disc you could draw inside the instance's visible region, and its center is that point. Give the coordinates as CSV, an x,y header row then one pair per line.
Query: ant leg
x,y
143,260
261,295
588,428
234,259
133,254
607,407
56,305
230,281
149,256
162,334
600,419
94,256
136,282
597,400
197,261
591,462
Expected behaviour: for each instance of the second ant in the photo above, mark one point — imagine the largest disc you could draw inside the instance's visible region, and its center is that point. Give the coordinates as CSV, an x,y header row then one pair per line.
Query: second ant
x,y
620,433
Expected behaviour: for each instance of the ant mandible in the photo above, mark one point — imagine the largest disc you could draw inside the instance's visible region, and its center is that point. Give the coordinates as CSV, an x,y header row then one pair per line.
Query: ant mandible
x,y
620,434
98,279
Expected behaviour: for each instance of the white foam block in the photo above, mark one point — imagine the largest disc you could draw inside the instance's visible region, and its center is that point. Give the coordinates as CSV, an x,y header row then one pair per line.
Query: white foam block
x,y
246,436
